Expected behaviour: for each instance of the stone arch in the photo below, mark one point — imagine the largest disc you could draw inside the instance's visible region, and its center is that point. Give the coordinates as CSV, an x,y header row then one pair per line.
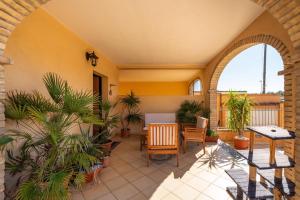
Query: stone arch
x,y
243,44
234,50
289,79
287,13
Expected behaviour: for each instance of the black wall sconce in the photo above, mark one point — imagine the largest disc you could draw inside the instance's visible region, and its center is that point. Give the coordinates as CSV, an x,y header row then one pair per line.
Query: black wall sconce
x,y
110,86
91,57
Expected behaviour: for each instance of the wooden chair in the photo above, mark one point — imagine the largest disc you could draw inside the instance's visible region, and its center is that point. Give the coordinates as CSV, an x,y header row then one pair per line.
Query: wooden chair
x,y
154,118
162,139
195,134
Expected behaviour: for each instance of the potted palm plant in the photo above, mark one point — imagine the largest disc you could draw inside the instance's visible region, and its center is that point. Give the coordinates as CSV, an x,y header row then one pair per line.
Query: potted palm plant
x,y
51,154
239,107
130,112
188,112
110,121
211,136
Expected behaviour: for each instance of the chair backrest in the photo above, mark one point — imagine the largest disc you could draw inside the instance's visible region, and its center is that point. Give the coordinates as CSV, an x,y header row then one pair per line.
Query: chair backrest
x,y
163,134
159,118
199,131
202,122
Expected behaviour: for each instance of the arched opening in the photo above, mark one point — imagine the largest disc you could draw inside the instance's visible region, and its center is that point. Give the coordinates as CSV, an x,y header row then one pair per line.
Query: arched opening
x,y
195,87
234,50
244,74
289,86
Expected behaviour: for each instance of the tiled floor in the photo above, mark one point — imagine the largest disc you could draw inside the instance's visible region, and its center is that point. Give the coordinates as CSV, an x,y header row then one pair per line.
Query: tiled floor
x,y
199,176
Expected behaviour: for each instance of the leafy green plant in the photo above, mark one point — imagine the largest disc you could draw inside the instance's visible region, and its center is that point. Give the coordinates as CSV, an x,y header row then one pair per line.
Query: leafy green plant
x,y
131,112
50,155
239,107
110,121
189,110
211,133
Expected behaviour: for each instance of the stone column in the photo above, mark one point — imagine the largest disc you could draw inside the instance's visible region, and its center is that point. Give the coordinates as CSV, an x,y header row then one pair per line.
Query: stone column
x,y
2,125
296,60
213,120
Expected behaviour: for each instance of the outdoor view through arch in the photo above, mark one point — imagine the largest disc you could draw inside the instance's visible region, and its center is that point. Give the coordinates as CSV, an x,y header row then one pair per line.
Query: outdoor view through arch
x,y
245,71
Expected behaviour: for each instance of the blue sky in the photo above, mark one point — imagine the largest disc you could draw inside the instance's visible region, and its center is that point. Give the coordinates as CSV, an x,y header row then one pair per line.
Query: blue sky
x,y
244,72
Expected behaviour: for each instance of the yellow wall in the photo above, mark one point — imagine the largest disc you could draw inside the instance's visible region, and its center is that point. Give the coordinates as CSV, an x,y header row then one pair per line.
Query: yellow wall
x,y
41,44
162,104
154,88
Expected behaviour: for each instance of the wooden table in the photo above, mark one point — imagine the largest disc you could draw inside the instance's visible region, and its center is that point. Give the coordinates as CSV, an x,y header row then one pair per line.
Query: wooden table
x,y
268,163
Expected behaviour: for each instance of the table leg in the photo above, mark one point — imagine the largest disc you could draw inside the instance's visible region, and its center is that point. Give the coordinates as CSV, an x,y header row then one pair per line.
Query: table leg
x,y
252,173
278,173
272,152
277,194
251,146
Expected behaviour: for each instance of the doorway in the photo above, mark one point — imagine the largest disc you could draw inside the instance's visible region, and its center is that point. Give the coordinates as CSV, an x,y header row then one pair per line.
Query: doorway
x,y
97,85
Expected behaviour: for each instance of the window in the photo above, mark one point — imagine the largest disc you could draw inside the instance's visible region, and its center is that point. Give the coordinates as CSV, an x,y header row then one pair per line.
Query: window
x,y
195,87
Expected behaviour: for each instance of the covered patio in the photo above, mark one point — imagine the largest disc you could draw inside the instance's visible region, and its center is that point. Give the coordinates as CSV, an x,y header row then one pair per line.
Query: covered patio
x,y
160,51
199,176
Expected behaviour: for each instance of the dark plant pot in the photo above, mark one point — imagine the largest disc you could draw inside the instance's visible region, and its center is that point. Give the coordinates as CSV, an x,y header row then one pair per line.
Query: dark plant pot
x,y
89,176
125,132
241,142
107,146
211,138
106,161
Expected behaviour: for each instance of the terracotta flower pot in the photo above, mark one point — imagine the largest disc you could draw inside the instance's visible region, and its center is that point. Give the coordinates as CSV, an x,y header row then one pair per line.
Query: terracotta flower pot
x,y
106,161
107,146
211,138
241,142
125,132
89,176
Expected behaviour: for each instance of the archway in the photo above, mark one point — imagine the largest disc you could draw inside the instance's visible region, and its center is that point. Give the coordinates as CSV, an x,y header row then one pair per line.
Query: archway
x,y
286,12
289,82
235,49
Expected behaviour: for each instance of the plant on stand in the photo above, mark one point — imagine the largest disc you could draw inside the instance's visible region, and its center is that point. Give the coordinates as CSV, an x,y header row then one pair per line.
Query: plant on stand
x,y
50,156
130,113
239,107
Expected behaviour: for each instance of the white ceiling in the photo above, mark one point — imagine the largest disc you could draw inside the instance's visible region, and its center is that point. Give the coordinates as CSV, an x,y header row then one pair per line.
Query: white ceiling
x,y
156,32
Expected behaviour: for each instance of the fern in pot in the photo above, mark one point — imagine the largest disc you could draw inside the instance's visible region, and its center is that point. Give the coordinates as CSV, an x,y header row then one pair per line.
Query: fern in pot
x,y
239,107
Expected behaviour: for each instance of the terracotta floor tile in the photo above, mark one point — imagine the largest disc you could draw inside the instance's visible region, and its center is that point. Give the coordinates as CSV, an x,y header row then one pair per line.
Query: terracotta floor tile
x,y
133,175
143,183
125,192
115,183
95,191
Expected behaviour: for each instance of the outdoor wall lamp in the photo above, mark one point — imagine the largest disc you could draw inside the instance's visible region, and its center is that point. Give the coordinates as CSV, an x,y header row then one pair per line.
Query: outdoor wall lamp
x,y
110,86
92,57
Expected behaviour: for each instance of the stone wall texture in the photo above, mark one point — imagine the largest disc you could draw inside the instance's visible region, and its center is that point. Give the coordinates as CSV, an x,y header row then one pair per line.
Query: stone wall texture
x,y
287,12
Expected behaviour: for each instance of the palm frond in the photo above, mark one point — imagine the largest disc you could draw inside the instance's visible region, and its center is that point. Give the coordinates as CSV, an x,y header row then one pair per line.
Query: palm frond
x,y
56,186
39,102
79,179
131,100
4,140
29,190
78,102
56,86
